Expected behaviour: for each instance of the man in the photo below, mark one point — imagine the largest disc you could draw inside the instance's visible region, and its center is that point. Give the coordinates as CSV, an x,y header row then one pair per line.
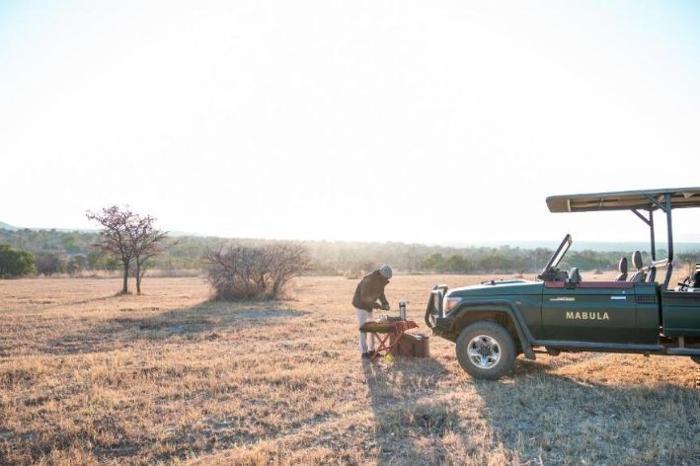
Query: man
x,y
368,292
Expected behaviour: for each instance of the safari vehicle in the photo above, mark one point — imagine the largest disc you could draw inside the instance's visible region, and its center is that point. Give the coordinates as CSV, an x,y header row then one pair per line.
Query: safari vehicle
x,y
493,322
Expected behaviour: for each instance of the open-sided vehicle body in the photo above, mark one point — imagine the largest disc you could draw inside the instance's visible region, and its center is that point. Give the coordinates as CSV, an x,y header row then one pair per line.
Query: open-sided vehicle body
x,y
560,311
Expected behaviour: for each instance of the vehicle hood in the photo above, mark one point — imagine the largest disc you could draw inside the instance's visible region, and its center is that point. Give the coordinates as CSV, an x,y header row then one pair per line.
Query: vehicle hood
x,y
498,288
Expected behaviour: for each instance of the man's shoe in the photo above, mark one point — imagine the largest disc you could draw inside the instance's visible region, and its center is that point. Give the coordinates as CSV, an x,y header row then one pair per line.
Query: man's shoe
x,y
371,353
366,355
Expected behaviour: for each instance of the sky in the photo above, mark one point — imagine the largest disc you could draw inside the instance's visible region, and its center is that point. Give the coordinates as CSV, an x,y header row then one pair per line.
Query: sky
x,y
444,122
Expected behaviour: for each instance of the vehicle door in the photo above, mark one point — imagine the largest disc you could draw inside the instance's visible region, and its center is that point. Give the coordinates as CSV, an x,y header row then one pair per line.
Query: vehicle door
x,y
592,311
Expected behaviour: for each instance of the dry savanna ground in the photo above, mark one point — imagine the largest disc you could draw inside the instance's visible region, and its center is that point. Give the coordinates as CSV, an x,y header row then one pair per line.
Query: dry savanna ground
x,y
87,377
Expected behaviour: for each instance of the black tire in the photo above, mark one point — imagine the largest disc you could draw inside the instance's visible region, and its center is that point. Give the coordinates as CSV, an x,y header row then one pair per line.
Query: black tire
x,y
696,359
502,353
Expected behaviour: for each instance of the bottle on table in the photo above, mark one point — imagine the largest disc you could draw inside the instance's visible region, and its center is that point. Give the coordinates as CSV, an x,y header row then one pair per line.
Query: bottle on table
x,y
402,310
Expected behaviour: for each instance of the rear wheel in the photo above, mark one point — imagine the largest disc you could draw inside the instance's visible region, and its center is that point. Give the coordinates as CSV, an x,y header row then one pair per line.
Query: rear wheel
x,y
485,350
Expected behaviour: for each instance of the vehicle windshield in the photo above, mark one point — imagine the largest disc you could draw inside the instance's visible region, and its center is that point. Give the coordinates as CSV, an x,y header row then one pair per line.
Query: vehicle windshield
x,y
558,254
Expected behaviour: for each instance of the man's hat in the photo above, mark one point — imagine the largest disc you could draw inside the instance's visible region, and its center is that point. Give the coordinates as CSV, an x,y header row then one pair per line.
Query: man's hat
x,y
386,271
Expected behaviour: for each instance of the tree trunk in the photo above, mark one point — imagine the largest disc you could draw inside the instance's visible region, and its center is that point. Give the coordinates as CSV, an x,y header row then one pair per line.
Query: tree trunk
x,y
125,286
138,276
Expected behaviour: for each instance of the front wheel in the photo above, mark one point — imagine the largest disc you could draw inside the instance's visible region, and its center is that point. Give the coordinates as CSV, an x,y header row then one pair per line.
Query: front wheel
x,y
485,350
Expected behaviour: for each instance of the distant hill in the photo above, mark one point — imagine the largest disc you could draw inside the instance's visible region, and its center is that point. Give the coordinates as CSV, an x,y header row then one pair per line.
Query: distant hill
x,y
7,226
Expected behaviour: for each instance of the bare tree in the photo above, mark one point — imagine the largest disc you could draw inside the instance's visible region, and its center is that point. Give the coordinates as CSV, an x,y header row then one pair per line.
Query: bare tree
x,y
114,238
238,273
146,242
286,260
255,272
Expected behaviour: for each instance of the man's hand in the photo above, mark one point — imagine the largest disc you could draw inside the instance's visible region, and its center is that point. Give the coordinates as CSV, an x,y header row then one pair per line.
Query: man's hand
x,y
385,307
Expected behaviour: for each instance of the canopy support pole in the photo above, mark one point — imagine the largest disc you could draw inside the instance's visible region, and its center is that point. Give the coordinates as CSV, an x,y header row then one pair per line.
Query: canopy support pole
x,y
669,225
652,235
650,223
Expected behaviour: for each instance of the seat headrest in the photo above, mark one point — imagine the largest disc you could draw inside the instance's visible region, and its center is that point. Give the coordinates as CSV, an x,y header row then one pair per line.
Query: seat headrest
x,y
574,275
622,265
696,279
637,260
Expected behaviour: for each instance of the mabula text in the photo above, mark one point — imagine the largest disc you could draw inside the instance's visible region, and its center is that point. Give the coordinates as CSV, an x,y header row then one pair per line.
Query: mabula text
x,y
587,316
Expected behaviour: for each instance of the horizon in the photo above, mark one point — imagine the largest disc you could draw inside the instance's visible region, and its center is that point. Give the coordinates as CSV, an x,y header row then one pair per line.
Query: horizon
x,y
597,246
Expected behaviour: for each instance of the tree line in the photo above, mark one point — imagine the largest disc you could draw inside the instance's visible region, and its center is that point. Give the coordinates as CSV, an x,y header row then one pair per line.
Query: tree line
x,y
75,252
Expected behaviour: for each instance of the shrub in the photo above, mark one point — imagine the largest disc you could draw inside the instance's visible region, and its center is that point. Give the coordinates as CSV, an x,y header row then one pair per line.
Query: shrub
x,y
242,272
49,263
76,265
15,263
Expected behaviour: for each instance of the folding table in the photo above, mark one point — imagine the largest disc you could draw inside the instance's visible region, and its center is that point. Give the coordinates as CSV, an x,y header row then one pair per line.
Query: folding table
x,y
387,332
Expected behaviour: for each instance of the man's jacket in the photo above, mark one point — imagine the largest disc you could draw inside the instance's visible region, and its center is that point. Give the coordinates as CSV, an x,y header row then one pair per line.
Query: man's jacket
x,y
369,290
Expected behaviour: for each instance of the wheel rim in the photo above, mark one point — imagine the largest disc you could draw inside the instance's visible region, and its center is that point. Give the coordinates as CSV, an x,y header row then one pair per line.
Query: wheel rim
x,y
484,351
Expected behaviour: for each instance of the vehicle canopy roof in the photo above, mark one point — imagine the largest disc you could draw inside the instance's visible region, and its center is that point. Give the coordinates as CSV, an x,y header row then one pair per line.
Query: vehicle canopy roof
x,y
648,199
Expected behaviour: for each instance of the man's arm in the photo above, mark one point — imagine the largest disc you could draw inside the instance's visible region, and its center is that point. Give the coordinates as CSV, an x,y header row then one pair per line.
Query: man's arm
x,y
384,301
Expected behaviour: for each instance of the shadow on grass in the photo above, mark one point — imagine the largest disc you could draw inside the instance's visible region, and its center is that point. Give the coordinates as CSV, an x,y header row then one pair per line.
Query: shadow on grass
x,y
207,320
550,418
408,429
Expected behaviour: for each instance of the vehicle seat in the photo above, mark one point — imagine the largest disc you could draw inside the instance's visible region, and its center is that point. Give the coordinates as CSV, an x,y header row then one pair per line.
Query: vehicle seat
x,y
651,276
695,280
639,275
574,276
622,268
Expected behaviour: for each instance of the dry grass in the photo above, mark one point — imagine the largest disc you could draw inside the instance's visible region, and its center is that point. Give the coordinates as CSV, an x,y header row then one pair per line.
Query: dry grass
x,y
87,377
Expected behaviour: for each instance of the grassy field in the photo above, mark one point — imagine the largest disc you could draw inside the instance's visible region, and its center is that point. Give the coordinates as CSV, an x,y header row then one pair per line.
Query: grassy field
x,y
87,377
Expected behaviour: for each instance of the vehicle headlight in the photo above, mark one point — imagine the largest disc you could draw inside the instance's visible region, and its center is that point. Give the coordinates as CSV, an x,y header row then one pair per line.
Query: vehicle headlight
x,y
450,303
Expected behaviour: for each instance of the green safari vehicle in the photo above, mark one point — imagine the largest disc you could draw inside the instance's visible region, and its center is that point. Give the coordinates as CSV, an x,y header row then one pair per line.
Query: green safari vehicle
x,y
495,321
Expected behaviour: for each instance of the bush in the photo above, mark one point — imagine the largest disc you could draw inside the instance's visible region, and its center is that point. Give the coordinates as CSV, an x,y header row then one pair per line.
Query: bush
x,y
76,265
15,263
255,272
49,263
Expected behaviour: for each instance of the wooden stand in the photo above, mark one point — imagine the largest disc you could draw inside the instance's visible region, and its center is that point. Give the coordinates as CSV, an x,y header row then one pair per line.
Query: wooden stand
x,y
416,346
